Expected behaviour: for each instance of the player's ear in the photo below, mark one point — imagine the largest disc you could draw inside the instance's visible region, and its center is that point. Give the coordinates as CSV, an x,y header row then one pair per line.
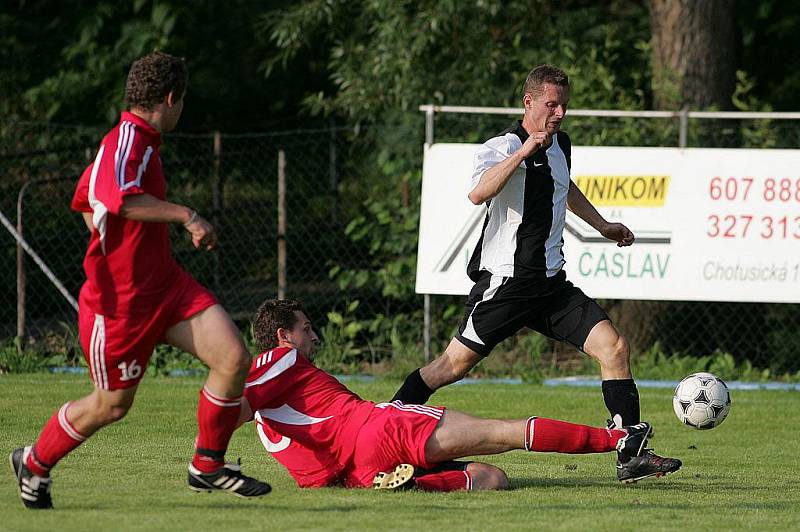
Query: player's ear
x,y
527,100
281,335
170,99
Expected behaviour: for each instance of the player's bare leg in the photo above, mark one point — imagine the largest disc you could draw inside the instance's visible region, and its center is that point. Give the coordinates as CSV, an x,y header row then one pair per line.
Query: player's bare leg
x,y
214,339
611,350
449,367
606,345
100,408
487,477
67,429
453,476
459,435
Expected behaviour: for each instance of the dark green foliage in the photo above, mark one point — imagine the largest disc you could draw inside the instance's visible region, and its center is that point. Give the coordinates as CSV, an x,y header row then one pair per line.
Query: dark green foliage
x,y
365,66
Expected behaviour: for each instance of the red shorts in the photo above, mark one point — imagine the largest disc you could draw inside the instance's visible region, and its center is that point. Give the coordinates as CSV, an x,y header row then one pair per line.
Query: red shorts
x,y
395,434
118,348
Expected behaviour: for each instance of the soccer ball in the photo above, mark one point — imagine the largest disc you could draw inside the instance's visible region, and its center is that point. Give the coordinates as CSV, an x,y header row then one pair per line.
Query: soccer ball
x,y
701,401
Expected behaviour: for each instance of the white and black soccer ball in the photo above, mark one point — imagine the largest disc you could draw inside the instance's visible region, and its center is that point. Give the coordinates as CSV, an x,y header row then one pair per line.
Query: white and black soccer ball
x,y
702,401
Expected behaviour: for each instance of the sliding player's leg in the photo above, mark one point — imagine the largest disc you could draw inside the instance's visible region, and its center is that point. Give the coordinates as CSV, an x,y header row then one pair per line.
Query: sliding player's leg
x,y
458,435
447,476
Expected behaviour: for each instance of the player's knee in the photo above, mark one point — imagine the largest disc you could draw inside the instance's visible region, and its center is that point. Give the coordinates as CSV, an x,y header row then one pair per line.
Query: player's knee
x,y
243,362
452,373
622,350
616,354
455,367
487,477
235,365
117,412
111,413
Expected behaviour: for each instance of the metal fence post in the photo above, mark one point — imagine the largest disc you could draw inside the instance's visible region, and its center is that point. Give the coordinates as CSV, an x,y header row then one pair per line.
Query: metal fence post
x,y
426,331
20,274
684,127
217,199
281,224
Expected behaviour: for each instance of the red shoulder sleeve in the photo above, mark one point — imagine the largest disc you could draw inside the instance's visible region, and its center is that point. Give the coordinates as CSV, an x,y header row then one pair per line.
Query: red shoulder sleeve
x,y
80,200
270,376
122,164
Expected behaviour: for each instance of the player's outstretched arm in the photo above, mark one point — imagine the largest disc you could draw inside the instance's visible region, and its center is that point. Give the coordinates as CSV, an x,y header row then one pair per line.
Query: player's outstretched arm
x,y
148,208
582,207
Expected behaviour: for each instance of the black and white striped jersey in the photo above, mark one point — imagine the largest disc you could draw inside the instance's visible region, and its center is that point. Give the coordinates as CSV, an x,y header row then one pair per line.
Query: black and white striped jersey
x,y
522,233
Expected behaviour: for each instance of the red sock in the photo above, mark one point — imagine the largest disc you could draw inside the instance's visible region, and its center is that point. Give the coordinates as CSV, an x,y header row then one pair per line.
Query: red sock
x,y
550,435
57,439
216,418
445,481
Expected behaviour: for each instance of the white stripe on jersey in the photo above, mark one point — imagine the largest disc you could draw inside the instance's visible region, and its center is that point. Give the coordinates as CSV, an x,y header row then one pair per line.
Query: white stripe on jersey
x,y
287,361
430,411
289,416
268,444
127,132
99,210
140,172
264,358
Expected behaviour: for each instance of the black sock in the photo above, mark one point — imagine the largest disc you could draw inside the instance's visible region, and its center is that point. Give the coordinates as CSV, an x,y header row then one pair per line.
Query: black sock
x,y
414,391
622,399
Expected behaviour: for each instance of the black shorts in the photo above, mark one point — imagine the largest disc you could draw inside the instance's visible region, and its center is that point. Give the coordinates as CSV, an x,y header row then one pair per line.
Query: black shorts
x,y
498,307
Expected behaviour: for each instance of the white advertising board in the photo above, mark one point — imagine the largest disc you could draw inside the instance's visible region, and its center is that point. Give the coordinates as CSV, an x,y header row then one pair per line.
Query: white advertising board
x,y
710,224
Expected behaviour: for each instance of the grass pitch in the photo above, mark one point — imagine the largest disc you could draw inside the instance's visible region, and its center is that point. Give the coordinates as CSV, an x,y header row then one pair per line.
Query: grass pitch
x,y
132,476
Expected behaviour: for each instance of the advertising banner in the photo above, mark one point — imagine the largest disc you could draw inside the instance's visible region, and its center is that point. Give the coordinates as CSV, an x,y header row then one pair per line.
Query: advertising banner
x,y
710,224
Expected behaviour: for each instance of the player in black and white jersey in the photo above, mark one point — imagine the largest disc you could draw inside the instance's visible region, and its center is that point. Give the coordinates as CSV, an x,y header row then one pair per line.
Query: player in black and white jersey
x,y
522,176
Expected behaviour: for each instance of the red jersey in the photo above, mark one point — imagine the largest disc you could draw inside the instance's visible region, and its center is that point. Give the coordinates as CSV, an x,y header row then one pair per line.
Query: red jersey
x,y
128,264
306,418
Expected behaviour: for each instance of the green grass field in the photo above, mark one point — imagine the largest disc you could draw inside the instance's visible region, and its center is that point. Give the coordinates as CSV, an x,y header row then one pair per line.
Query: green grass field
x,y
742,475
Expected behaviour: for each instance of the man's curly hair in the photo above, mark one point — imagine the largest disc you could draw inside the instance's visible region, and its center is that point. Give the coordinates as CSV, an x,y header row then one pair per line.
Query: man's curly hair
x,y
153,77
274,314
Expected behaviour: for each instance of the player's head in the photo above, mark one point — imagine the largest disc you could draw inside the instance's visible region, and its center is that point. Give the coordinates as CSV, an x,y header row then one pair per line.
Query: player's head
x,y
283,322
545,97
155,80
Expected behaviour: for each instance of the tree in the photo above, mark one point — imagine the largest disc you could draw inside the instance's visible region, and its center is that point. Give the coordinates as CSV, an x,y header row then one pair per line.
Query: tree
x,y
66,64
693,53
388,56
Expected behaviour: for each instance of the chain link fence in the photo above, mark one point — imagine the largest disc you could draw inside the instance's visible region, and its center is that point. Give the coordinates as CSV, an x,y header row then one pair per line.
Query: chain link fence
x,y
231,179
341,253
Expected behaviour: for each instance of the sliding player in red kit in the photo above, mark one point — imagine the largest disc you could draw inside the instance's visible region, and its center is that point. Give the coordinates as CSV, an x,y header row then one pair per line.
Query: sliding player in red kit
x,y
136,296
325,435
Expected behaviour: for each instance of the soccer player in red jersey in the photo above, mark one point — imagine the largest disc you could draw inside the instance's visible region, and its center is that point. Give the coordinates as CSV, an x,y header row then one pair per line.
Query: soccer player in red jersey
x,y
325,435
136,296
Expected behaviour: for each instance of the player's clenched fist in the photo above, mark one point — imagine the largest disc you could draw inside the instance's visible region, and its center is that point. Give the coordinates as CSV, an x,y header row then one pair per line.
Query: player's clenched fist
x,y
618,233
534,142
202,232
